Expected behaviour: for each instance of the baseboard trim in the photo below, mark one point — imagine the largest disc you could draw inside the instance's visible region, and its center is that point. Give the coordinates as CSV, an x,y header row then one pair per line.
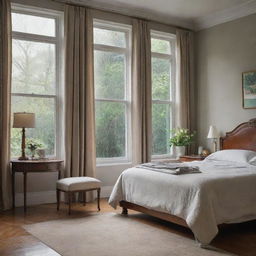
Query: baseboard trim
x,y
106,191
47,197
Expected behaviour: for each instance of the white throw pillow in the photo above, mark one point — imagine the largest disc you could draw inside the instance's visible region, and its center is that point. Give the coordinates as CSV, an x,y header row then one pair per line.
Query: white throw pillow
x,y
253,161
234,155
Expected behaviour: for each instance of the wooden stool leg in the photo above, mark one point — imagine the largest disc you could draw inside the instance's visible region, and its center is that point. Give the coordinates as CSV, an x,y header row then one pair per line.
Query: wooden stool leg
x,y
58,199
84,198
98,193
69,202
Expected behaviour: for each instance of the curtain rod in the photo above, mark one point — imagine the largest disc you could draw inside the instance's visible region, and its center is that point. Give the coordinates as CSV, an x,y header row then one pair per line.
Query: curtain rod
x,y
80,4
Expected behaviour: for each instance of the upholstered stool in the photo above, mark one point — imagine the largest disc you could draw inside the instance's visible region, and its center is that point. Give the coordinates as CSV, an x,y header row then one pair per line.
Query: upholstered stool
x,y
77,184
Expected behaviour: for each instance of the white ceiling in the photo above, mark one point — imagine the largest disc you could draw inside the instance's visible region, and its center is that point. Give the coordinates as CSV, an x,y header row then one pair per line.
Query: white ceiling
x,y
194,14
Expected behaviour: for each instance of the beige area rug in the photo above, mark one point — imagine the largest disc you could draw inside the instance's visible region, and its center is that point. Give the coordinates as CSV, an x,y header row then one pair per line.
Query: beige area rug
x,y
111,234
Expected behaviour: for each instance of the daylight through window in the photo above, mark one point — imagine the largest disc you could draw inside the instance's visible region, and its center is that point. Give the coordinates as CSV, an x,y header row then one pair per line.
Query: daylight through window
x,y
112,90
163,86
36,75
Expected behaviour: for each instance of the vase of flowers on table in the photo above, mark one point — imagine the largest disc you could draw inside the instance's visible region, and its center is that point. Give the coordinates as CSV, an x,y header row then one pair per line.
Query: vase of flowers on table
x,y
33,145
180,139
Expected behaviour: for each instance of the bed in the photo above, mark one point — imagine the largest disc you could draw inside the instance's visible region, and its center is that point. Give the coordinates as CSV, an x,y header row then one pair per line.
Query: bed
x,y
224,191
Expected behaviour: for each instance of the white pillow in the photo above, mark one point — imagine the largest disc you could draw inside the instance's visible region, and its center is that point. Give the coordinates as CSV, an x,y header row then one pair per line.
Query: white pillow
x,y
253,161
234,155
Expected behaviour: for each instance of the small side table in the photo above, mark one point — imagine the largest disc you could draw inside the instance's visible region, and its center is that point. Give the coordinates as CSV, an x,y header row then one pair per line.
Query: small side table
x,y
191,158
26,166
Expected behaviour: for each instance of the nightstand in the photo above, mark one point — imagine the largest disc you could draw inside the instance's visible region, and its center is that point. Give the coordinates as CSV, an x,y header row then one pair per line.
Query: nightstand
x,y
191,158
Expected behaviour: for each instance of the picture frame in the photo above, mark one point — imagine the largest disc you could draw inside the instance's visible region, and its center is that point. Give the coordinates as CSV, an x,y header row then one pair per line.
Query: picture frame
x,y
249,89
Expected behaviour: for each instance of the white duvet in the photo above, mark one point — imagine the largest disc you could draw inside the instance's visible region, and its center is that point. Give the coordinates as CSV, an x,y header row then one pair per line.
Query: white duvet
x,y
225,192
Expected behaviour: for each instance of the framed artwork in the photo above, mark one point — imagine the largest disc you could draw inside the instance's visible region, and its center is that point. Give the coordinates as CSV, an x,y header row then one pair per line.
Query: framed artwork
x,y
249,89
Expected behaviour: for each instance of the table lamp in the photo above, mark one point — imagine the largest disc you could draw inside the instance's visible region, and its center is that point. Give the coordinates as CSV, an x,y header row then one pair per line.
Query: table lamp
x,y
23,120
213,134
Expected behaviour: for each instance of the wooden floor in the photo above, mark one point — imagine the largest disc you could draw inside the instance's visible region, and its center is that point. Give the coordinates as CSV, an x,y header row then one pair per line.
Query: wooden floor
x,y
239,239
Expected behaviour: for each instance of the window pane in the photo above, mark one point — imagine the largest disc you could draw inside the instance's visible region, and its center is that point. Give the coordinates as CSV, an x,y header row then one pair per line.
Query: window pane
x,y
160,46
44,109
161,119
33,67
161,69
110,129
33,24
109,75
109,37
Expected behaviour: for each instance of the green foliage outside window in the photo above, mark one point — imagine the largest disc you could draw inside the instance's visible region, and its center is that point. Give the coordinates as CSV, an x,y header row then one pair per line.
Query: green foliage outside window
x,y
34,72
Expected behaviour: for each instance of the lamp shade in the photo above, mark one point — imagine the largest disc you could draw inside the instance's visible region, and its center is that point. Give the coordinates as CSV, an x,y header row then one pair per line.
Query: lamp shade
x,y
213,133
23,120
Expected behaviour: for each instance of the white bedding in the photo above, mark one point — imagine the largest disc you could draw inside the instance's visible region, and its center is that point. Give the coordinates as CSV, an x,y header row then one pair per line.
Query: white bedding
x,y
225,192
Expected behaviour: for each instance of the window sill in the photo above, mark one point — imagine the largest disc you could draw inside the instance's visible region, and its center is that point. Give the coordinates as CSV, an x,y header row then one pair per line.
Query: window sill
x,y
163,157
113,163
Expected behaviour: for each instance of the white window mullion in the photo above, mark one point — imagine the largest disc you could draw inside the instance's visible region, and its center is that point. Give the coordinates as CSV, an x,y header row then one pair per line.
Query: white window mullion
x,y
108,48
161,55
33,38
34,95
110,100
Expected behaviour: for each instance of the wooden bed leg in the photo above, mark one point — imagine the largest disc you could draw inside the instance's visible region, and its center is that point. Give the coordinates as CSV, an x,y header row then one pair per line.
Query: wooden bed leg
x,y
124,211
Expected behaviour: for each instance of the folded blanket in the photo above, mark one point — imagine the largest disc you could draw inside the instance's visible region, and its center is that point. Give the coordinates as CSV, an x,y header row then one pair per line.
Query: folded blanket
x,y
170,168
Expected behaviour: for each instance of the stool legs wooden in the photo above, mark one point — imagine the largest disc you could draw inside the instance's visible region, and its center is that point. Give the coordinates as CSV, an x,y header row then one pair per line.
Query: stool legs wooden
x,y
69,202
58,199
70,194
98,198
84,198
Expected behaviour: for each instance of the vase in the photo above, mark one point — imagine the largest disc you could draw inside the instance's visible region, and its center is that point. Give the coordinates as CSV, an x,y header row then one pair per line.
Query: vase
x,y
180,151
33,151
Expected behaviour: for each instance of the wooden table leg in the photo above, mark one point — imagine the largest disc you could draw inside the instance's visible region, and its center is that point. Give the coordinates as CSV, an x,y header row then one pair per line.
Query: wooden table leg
x,y
84,197
59,174
58,199
25,190
98,196
13,189
69,202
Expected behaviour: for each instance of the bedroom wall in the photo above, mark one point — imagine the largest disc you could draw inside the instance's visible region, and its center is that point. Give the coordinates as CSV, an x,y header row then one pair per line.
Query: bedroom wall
x,y
222,54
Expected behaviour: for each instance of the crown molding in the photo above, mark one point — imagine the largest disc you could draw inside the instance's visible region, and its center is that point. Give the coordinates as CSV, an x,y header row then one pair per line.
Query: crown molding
x,y
200,23
225,15
132,11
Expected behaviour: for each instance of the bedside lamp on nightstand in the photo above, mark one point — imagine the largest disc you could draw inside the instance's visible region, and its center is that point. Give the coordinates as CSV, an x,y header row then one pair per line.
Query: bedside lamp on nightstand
x,y
213,134
23,120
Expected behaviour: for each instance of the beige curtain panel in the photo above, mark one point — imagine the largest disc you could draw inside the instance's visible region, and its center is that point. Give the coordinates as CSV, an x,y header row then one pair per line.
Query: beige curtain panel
x,y
185,103
141,79
5,109
80,153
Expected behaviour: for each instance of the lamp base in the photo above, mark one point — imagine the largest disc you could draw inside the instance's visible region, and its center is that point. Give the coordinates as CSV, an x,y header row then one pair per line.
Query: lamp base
x,y
23,146
23,158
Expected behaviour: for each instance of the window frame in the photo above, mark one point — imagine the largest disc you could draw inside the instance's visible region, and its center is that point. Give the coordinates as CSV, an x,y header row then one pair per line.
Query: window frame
x,y
171,102
127,29
57,41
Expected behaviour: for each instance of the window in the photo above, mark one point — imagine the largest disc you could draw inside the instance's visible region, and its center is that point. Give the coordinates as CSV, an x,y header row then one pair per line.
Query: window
x,y
163,85
112,91
36,75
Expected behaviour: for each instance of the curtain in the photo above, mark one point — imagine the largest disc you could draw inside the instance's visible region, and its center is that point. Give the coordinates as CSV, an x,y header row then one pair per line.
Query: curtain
x,y
141,91
5,100
185,103
80,153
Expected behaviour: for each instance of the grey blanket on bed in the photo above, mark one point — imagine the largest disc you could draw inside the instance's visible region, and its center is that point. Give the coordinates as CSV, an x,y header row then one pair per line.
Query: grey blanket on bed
x,y
170,168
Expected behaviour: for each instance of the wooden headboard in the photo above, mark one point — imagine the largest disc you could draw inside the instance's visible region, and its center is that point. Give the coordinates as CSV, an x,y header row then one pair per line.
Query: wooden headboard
x,y
242,137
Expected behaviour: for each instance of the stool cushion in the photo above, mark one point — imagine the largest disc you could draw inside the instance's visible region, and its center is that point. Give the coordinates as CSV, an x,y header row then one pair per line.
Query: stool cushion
x,y
78,183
